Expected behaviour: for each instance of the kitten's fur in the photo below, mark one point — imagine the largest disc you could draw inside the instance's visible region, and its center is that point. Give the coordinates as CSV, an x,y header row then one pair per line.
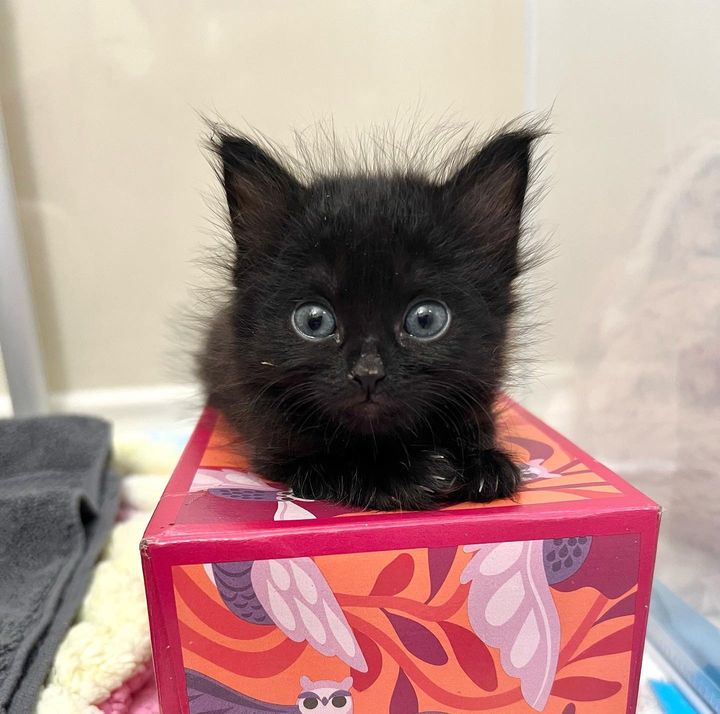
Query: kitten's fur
x,y
369,243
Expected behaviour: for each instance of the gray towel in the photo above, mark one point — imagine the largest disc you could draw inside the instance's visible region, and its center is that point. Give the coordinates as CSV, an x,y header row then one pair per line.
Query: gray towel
x,y
58,501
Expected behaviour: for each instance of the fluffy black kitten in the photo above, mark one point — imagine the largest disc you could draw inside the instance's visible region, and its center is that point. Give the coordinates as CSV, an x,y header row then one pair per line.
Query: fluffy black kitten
x,y
364,344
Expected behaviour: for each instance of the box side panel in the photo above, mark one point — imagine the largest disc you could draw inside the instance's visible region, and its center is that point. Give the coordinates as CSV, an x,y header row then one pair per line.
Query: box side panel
x,y
162,613
535,625
649,528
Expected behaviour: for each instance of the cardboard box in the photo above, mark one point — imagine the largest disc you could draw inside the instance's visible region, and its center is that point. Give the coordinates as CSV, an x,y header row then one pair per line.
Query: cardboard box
x,y
261,602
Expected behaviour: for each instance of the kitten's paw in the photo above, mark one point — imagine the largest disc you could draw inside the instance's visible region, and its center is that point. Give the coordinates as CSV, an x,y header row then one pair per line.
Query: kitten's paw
x,y
491,476
311,485
431,480
388,497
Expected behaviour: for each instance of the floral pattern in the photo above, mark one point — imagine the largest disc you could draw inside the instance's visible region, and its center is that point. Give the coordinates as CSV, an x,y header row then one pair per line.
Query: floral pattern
x,y
492,621
511,608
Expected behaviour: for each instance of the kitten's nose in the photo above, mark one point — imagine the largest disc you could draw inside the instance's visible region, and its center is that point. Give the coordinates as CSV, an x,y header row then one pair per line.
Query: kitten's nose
x,y
369,368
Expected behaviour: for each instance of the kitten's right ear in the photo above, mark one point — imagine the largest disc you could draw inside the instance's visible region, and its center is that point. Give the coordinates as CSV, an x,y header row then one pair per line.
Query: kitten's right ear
x,y
258,188
488,191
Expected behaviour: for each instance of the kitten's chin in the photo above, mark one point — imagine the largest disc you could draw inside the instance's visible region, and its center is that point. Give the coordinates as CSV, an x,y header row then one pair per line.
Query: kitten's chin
x,y
369,417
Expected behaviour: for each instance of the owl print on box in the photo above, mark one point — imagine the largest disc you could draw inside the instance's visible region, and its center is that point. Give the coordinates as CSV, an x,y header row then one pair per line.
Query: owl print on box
x,y
325,696
321,697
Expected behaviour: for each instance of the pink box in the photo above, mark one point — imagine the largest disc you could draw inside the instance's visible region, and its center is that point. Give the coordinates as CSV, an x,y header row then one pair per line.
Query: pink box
x,y
261,602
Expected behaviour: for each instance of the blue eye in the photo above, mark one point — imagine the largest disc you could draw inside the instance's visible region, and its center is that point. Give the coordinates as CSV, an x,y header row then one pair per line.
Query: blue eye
x,y
313,321
427,320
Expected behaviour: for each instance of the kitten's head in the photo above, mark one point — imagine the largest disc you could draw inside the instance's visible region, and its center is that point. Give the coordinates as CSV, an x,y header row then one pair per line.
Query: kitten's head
x,y
369,300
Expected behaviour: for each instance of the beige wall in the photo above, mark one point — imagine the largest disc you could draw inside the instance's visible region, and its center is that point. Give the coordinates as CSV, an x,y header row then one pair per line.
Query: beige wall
x,y
101,101
634,210
633,89
633,94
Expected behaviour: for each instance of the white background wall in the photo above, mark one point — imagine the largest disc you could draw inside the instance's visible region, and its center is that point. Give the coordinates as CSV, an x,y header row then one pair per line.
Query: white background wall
x,y
101,103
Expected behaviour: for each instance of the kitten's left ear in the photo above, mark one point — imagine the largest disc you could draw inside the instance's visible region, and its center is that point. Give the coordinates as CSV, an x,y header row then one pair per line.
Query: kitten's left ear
x,y
489,190
258,188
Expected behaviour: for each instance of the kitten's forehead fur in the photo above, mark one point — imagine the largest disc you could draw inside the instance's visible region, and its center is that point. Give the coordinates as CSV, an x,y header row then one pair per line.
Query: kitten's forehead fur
x,y
430,152
384,173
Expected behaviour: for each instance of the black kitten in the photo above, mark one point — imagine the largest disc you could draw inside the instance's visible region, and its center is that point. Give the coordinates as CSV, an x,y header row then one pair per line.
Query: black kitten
x,y
363,347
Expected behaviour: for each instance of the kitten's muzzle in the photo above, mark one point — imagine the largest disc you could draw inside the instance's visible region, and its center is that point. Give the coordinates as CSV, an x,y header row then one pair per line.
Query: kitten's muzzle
x,y
369,369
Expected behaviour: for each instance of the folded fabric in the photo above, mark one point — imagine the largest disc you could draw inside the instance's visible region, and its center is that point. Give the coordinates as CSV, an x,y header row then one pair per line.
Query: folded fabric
x,y
58,501
103,664
110,642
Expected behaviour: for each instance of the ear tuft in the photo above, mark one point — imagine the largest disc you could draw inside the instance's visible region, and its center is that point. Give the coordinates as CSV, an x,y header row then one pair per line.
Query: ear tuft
x,y
259,190
488,194
495,179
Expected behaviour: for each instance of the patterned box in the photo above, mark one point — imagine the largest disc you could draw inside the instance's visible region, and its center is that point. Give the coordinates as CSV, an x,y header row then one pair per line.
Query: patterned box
x,y
262,602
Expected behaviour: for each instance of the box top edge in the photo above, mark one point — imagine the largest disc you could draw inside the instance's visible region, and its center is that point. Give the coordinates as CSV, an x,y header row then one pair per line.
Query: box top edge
x,y
169,520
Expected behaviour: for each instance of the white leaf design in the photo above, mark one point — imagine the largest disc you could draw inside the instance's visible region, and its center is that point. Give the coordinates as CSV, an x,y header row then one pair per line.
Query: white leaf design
x,y
510,607
299,600
228,478
290,511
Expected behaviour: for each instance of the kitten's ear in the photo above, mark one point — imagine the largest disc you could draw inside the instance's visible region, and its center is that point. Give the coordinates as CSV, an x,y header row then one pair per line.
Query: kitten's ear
x,y
259,189
495,179
489,190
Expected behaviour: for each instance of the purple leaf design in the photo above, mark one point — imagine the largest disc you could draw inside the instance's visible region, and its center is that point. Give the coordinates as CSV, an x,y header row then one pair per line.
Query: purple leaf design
x,y
243,494
626,606
563,557
404,700
536,449
440,561
611,566
510,607
418,640
233,581
205,695
472,655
